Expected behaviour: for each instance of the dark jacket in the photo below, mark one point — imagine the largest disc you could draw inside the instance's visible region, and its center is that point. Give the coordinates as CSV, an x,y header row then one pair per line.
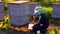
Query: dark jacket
x,y
44,20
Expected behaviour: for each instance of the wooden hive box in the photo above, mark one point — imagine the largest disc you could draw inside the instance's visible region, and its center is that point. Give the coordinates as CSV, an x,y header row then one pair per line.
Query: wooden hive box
x,y
56,12
19,12
32,7
1,10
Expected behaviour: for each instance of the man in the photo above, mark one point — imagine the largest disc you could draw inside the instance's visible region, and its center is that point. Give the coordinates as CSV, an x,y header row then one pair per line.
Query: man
x,y
38,10
42,25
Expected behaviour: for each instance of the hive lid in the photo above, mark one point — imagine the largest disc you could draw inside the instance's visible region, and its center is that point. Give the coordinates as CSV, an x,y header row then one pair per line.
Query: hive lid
x,y
19,2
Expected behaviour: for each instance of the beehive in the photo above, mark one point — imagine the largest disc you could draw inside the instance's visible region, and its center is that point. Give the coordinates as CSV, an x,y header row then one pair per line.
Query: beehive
x,y
19,12
56,10
1,10
32,7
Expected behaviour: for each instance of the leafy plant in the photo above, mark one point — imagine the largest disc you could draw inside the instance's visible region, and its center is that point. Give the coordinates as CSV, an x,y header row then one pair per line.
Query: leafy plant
x,y
35,0
7,1
47,4
56,32
48,11
49,15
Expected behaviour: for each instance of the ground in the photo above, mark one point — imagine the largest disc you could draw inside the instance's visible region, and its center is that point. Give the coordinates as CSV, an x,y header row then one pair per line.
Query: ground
x,y
25,29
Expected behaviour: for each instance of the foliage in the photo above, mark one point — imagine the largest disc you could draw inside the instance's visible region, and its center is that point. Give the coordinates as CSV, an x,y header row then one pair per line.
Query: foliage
x,y
5,27
7,1
52,32
5,24
5,8
49,15
56,32
35,0
47,3
48,11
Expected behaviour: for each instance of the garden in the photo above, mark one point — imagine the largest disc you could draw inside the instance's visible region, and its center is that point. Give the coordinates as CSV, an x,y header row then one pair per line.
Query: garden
x,y
47,5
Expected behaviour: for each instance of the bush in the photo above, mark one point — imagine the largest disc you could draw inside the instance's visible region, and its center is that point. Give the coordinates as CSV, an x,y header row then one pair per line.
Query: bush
x,y
48,11
49,15
47,4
